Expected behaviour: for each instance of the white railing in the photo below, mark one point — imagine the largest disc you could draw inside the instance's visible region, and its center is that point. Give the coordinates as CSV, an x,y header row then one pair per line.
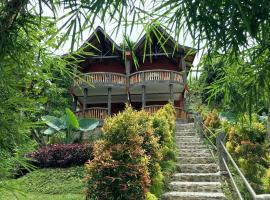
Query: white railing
x,y
95,112
155,75
102,78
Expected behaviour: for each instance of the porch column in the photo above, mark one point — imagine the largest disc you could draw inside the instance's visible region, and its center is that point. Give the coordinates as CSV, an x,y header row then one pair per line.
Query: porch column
x,y
74,104
171,94
143,96
109,101
85,94
184,69
128,68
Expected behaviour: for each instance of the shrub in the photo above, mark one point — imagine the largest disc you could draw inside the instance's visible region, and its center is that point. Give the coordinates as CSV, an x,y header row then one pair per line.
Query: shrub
x,y
127,159
119,169
246,142
164,127
62,155
150,196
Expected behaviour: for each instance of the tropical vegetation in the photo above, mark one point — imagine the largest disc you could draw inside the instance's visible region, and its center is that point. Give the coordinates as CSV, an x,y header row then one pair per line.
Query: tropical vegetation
x,y
31,76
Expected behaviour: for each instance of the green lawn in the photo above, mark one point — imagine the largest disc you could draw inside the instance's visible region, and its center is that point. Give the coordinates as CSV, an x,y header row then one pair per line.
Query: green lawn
x,y
49,184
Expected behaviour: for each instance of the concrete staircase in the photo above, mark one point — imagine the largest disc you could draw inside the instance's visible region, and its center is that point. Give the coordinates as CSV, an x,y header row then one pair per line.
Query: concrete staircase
x,y
198,176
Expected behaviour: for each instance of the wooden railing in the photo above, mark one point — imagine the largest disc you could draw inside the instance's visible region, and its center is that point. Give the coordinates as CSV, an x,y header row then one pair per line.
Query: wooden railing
x,y
180,113
102,78
155,75
153,108
95,112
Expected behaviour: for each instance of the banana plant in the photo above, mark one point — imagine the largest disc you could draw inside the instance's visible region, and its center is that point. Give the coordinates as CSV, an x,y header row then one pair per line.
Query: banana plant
x,y
68,123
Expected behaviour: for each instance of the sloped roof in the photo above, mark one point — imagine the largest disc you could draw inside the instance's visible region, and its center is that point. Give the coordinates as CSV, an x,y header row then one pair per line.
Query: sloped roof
x,y
101,32
168,40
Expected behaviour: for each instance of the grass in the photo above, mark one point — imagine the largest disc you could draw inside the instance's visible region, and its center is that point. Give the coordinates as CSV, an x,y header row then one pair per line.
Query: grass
x,y
49,184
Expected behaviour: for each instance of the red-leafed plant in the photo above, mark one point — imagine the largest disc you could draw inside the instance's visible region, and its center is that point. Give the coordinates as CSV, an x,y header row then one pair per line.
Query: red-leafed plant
x,y
62,155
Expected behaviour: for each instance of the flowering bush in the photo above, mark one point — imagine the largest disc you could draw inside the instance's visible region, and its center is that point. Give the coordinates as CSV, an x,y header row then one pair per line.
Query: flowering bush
x,y
127,159
62,155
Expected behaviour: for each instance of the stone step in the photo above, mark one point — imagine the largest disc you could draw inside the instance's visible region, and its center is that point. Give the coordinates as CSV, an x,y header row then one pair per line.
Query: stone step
x,y
187,139
194,154
188,136
214,187
185,131
196,160
197,168
190,143
193,196
194,150
196,177
187,146
182,128
184,134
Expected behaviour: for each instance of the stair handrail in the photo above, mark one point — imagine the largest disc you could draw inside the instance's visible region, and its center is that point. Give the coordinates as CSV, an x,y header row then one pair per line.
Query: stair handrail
x,y
223,155
200,125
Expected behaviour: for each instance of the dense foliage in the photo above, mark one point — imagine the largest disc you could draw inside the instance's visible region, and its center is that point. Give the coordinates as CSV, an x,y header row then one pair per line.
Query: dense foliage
x,y
126,162
246,140
62,155
30,87
247,143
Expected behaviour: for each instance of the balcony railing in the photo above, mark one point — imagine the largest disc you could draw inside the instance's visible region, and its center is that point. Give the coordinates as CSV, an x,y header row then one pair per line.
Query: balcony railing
x,y
95,112
153,108
156,75
102,78
180,113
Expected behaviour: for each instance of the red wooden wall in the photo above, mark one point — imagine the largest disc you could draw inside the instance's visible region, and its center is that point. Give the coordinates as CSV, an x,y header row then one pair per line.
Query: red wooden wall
x,y
160,62
105,65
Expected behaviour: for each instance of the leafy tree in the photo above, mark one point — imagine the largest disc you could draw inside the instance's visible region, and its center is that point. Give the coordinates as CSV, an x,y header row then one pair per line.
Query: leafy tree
x,y
29,77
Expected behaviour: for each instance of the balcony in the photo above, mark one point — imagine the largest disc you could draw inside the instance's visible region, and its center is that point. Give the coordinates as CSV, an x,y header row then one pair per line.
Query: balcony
x,y
102,78
95,112
143,77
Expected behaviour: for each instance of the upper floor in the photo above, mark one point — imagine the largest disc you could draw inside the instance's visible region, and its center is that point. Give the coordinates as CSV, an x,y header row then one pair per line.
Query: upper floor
x,y
155,59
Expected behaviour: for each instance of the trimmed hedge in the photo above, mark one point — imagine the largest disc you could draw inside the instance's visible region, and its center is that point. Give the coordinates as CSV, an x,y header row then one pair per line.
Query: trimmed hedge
x,y
62,155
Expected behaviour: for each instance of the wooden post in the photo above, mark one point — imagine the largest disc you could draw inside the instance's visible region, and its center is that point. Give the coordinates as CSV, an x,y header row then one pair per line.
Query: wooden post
x,y
85,94
128,68
143,96
109,101
171,94
184,69
74,104
221,153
